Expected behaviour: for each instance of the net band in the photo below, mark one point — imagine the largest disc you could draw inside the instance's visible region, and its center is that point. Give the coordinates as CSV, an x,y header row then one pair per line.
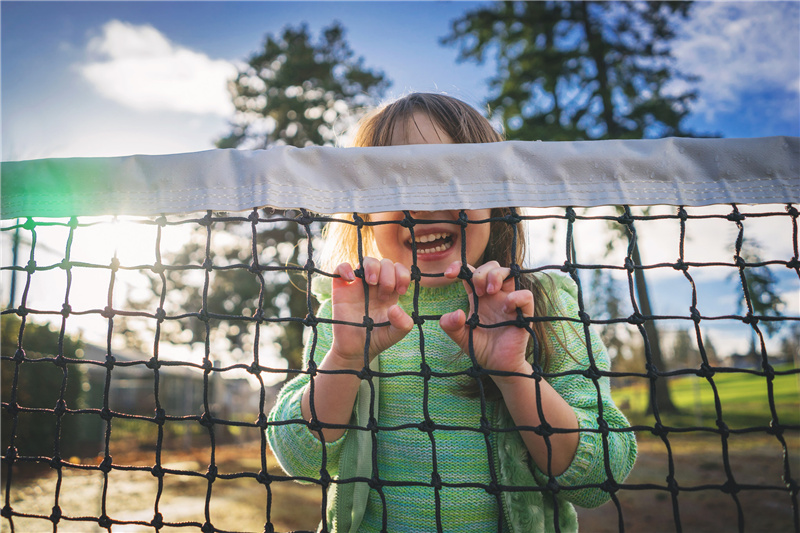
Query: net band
x,y
674,171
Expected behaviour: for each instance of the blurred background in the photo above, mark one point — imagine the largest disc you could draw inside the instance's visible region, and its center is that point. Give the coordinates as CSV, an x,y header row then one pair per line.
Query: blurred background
x,y
96,79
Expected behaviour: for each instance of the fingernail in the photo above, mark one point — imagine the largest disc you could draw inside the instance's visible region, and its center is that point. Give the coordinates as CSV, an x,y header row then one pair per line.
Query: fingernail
x,y
373,279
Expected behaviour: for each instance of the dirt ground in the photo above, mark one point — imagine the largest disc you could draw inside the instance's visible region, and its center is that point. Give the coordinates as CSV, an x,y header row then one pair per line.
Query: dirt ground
x,y
244,504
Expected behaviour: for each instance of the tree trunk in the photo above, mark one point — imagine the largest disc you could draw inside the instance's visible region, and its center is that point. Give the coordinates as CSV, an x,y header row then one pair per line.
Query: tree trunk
x,y
662,395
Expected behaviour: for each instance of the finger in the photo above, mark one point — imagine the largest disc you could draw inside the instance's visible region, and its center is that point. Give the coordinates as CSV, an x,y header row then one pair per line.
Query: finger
x,y
345,273
452,271
402,278
480,276
399,320
522,300
453,324
386,279
495,279
372,268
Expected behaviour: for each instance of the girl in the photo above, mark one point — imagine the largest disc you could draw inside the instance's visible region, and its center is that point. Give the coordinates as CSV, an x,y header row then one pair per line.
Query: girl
x,y
434,444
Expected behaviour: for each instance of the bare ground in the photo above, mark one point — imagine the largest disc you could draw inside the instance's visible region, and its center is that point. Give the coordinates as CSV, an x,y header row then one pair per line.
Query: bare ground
x,y
244,504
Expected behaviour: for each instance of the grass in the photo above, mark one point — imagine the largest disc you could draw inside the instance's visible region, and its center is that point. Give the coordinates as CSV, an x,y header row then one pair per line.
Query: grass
x,y
743,398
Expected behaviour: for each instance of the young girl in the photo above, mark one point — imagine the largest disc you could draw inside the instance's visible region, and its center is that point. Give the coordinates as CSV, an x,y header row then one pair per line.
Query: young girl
x,y
434,444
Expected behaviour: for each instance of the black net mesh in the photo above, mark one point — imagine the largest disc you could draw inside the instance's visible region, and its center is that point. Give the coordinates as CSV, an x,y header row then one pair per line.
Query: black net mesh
x,y
162,424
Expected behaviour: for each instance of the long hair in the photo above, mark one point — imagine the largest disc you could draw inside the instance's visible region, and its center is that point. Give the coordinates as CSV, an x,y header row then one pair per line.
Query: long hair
x,y
506,236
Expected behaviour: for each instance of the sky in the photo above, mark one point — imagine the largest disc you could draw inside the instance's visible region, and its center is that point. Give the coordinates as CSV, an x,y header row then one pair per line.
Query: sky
x,y
120,78
93,79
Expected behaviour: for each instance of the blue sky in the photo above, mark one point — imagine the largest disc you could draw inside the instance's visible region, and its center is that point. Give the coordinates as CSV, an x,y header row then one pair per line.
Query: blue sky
x,y
86,78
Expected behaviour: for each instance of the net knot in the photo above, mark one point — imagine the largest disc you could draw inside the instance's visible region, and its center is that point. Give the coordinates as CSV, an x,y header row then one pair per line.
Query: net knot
x,y
104,521
253,216
12,408
672,484
55,463
570,214
735,216
705,371
750,319
207,364
105,465
206,420
153,363
659,430
629,265
208,528
160,417
211,475
65,264
774,428
254,268
793,263
682,214
625,219
264,478
368,323
364,374
416,273
436,481
592,373
310,320
474,372
544,429
108,312
407,221
792,211
261,421
324,477
463,219
207,265
493,488
485,426
22,311
157,471
512,218
29,224
161,314
109,362
206,220
157,521
6,511
696,317
60,408
254,369
568,267
418,320
66,309
636,319
425,371
161,221
516,271
114,264
11,455
19,356
60,361
585,318
729,487
157,268
427,426
55,514
30,268
105,414
739,261
610,486
680,265
473,320
723,428
553,486
372,425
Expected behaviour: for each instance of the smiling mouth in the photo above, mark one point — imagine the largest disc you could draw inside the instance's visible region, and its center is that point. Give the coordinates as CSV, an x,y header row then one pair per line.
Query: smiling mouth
x,y
432,243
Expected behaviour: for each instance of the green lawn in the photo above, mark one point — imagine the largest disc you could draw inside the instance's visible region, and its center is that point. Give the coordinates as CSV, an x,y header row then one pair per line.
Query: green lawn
x,y
743,397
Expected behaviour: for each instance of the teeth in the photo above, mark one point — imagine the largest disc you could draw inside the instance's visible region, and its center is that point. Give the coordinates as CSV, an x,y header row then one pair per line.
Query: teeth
x,y
440,248
431,237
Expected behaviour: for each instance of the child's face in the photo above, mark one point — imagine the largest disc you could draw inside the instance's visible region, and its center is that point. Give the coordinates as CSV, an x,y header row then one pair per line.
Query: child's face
x,y
438,245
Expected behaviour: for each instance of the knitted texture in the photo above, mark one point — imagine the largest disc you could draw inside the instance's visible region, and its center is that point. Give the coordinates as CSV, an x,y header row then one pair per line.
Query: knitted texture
x,y
407,455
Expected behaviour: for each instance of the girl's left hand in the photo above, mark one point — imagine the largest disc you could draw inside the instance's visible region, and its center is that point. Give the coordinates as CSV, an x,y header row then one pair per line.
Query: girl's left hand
x,y
501,348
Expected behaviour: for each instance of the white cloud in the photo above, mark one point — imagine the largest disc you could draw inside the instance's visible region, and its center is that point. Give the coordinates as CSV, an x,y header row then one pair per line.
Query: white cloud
x,y
137,66
738,47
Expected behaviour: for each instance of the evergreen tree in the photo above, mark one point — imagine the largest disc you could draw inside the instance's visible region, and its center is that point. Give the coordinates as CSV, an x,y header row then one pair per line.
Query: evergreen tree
x,y
580,70
296,92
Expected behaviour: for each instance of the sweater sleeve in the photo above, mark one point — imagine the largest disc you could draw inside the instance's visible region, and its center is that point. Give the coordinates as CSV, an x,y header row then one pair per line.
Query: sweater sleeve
x,y
598,457
297,450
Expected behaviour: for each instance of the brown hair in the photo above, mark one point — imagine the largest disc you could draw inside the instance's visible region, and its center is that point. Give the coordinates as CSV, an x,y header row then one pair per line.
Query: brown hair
x,y
507,236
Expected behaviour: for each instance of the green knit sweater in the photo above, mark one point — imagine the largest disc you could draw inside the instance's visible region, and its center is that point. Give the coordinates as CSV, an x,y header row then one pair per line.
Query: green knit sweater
x,y
410,460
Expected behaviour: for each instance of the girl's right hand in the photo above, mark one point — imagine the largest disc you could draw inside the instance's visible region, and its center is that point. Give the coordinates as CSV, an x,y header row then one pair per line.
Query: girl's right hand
x,y
386,282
